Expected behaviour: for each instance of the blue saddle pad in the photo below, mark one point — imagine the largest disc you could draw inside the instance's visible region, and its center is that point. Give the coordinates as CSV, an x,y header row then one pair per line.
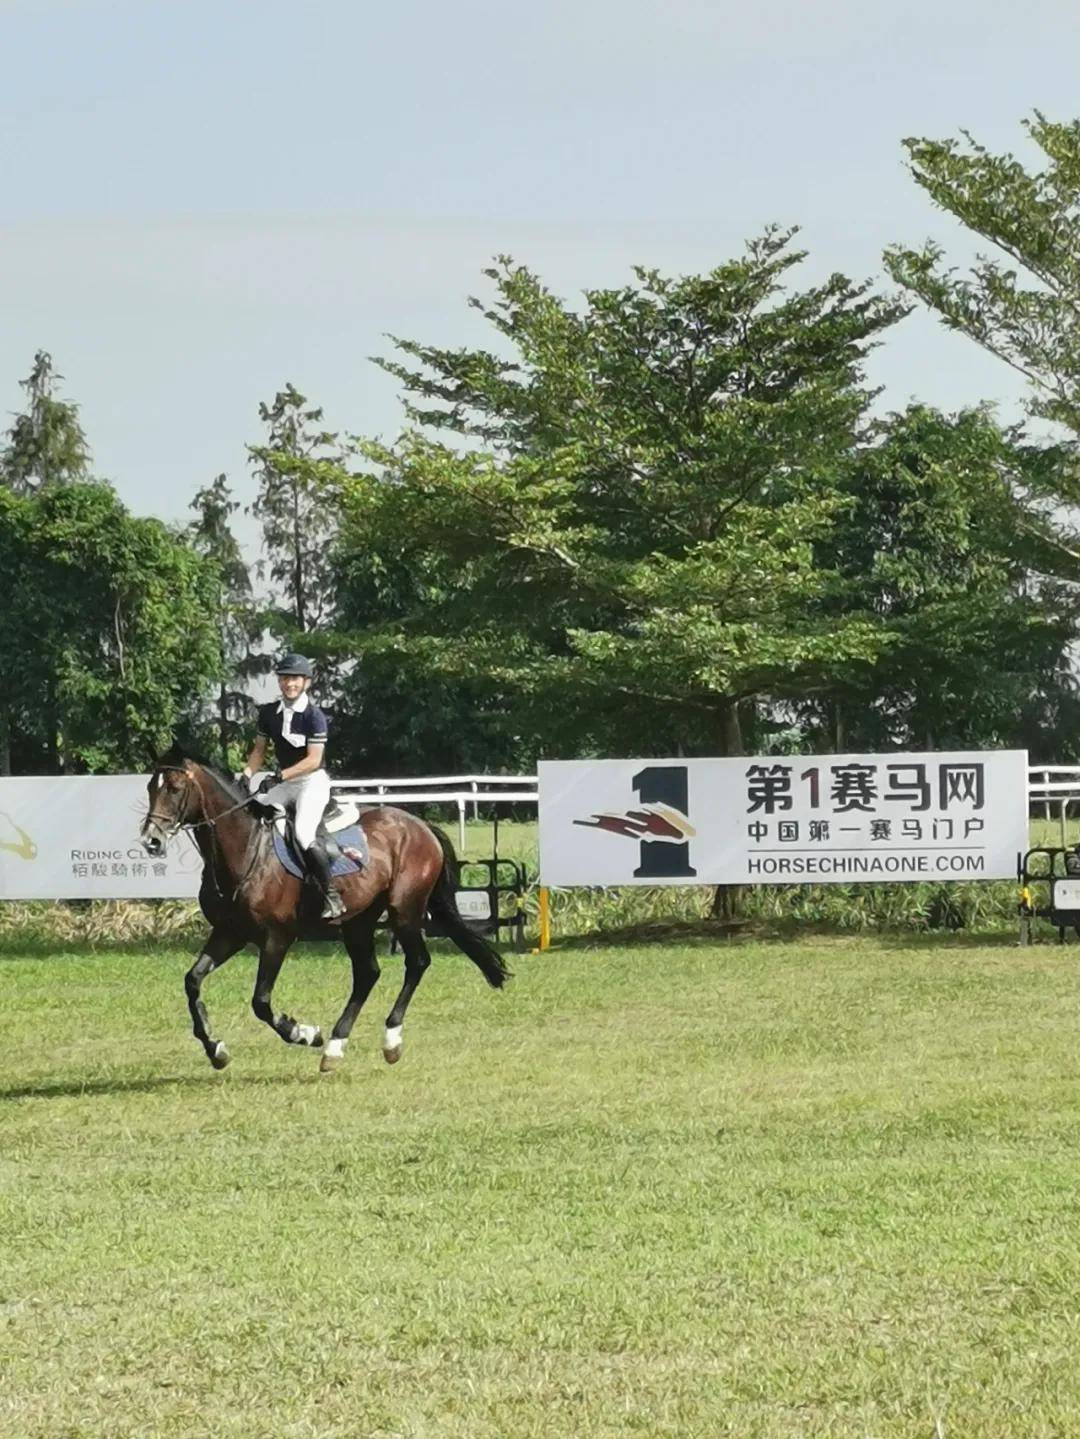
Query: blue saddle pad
x,y
351,838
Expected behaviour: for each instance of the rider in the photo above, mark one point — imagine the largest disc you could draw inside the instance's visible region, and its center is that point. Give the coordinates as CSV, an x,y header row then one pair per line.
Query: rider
x,y
297,730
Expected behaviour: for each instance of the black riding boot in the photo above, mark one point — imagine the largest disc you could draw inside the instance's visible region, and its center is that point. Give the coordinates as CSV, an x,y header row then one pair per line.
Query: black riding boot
x,y
319,865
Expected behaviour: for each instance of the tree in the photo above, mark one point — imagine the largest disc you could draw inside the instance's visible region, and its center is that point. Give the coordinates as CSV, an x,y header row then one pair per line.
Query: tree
x,y
936,548
297,524
46,445
627,548
239,620
124,642
394,717
1022,304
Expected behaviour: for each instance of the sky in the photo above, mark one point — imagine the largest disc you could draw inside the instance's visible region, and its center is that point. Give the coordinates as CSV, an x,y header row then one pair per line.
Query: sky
x,y
200,202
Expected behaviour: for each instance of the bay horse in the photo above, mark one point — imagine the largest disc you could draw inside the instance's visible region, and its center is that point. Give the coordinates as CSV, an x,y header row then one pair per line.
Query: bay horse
x,y
248,897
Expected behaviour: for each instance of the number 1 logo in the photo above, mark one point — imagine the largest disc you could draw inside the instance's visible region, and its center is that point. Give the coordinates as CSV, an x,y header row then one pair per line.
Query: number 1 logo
x,y
669,788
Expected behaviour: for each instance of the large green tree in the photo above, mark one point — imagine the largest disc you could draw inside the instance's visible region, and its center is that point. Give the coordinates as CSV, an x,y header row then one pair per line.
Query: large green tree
x,y
625,540
45,444
45,447
941,548
109,640
394,716
1019,301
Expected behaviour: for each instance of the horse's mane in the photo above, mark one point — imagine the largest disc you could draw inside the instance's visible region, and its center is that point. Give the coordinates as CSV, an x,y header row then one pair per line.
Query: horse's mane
x,y
180,752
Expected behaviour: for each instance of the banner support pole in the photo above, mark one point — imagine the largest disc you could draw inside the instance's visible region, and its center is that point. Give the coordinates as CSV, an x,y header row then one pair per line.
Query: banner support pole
x,y
545,919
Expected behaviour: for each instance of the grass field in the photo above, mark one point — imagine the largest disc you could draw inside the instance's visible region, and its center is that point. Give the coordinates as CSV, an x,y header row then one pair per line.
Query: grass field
x,y
747,1189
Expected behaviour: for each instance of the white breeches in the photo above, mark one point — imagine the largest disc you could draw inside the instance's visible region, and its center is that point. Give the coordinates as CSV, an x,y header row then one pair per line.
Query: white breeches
x,y
311,795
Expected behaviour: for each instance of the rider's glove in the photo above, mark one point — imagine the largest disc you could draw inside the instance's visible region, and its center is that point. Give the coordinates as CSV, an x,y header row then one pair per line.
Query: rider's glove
x,y
268,783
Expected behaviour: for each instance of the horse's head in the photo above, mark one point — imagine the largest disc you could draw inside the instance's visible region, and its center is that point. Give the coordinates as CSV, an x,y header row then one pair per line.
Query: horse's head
x,y
176,799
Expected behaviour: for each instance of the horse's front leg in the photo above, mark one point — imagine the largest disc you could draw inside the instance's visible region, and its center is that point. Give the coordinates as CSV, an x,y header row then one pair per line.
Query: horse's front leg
x,y
271,957
410,935
221,945
359,937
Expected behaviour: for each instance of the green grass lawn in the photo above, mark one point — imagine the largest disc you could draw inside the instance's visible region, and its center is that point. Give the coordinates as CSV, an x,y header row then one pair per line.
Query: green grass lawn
x,y
827,1188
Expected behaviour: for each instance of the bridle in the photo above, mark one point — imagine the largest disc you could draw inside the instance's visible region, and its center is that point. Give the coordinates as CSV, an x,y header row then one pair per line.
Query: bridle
x,y
182,822
177,823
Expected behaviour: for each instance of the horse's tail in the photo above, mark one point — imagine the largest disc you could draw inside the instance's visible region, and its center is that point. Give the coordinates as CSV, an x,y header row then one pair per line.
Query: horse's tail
x,y
443,907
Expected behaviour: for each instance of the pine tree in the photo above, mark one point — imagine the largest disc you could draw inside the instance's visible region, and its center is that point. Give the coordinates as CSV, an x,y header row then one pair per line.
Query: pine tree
x,y
297,522
46,445
239,621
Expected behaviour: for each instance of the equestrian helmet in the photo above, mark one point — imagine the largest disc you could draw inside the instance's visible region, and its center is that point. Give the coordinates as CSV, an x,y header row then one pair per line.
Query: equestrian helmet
x,y
294,664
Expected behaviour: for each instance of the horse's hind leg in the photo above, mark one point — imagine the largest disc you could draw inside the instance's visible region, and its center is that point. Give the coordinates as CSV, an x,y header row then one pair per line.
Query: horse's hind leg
x,y
221,945
271,958
411,937
359,937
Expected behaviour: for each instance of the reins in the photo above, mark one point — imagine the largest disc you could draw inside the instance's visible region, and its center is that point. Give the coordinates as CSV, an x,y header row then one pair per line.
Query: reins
x,y
183,823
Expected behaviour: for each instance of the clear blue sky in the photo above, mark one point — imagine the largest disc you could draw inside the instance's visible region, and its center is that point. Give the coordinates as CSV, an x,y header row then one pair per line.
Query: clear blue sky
x,y
199,202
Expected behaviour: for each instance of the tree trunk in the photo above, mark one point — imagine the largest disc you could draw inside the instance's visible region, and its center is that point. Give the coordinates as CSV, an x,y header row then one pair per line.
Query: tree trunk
x,y
5,742
52,734
727,898
298,562
223,725
840,734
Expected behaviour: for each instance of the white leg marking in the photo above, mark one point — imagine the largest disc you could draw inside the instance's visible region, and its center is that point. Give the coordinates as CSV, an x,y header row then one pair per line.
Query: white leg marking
x,y
335,1048
305,1033
393,1037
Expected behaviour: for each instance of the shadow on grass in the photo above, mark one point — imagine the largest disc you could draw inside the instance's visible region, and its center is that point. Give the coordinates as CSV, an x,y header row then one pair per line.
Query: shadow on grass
x,y
691,933
1003,939
92,1088
713,934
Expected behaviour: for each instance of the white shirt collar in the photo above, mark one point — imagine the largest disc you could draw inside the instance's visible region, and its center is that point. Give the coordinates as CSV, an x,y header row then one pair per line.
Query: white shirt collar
x,y
298,705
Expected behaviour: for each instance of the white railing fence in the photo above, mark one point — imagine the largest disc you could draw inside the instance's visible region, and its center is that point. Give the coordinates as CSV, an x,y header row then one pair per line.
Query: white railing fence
x,y
1054,787
458,790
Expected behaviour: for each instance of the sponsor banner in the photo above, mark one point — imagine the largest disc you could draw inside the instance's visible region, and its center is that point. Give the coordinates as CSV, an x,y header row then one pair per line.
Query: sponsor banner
x,y
77,837
810,819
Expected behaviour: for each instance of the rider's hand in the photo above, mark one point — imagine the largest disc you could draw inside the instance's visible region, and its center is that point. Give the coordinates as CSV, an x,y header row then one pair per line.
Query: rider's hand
x,y
268,783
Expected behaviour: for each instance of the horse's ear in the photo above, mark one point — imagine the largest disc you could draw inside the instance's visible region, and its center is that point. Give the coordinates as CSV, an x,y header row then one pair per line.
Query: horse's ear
x,y
174,754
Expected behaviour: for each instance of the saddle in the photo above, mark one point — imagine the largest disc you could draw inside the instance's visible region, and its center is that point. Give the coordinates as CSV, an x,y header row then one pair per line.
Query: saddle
x,y
339,831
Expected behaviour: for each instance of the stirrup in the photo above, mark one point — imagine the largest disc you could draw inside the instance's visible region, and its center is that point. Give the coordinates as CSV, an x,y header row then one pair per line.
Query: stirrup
x,y
333,905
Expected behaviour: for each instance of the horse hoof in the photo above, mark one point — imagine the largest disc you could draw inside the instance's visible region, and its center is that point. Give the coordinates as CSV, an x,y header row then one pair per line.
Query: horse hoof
x,y
220,1057
393,1043
309,1034
329,1064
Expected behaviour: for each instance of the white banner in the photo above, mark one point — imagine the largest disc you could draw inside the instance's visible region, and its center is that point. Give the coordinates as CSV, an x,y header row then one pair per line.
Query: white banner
x,y
77,837
810,819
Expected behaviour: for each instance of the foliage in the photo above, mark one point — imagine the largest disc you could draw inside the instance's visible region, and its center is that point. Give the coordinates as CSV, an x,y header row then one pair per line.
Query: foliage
x,y
109,638
1021,304
392,715
297,523
239,619
940,546
46,445
633,529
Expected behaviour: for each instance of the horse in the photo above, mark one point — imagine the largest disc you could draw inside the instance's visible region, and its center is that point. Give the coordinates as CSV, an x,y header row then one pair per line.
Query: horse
x,y
248,897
